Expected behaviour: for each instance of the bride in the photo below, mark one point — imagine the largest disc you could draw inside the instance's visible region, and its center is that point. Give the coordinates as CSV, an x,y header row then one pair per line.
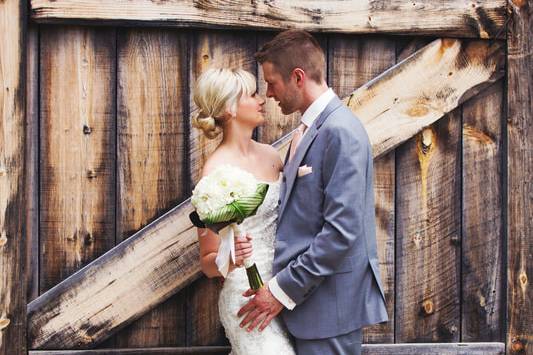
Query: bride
x,y
229,105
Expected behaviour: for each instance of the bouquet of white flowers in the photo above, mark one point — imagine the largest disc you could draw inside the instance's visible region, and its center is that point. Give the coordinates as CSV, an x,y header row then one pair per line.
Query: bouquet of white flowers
x,y
222,200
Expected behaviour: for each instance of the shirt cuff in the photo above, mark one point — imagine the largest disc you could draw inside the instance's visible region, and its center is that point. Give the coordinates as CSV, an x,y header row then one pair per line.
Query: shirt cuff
x,y
280,295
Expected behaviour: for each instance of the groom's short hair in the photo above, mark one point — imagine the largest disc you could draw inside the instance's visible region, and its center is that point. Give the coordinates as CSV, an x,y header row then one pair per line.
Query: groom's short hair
x,y
294,49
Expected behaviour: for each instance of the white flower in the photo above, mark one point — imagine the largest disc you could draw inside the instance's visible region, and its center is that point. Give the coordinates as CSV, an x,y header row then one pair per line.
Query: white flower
x,y
220,188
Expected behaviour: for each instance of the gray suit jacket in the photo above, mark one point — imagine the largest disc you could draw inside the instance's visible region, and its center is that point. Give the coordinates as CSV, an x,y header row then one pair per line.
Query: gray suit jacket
x,y
325,257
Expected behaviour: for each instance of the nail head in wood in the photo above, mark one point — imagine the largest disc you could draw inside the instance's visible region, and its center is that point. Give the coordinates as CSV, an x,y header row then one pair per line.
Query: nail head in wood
x,y
87,129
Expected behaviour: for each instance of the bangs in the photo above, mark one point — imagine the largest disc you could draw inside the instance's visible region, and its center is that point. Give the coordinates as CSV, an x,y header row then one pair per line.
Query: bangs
x,y
246,82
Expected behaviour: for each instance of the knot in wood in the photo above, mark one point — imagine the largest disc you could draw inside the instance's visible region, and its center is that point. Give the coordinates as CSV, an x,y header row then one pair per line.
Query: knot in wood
x,y
91,174
523,279
4,322
427,140
3,239
427,307
517,345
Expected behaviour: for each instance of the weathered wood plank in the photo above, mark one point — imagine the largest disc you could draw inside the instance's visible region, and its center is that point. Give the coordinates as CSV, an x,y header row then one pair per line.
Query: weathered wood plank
x,y
77,175
519,173
444,18
483,262
452,71
32,162
429,234
353,61
208,350
222,50
143,270
435,349
152,101
118,288
13,246
367,349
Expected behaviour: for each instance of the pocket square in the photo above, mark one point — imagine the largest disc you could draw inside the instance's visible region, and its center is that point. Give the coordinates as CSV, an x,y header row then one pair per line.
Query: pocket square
x,y
304,170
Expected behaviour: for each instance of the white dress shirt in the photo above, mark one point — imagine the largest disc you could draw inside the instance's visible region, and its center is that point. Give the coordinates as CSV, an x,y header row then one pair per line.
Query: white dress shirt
x,y
308,118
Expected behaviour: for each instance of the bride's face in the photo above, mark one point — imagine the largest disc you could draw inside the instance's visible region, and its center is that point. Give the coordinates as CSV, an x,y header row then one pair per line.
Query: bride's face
x,y
250,110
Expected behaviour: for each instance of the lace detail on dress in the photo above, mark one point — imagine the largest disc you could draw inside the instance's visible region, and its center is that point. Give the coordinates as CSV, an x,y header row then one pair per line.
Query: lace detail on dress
x,y
274,339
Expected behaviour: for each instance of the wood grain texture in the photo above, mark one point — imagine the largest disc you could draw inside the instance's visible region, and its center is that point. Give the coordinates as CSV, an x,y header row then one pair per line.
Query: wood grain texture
x,y
479,19
483,261
367,349
353,61
152,170
428,238
114,290
519,173
32,162
211,50
13,246
123,273
428,84
77,175
197,350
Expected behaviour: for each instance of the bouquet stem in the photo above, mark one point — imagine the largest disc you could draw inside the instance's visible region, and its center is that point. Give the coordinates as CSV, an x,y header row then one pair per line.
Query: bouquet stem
x,y
254,278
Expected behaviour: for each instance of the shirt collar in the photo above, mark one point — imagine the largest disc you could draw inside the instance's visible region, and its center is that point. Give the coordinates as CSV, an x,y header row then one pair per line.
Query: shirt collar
x,y
316,108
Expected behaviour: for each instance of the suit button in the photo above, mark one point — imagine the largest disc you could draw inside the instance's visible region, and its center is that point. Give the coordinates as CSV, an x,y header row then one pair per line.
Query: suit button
x,y
279,202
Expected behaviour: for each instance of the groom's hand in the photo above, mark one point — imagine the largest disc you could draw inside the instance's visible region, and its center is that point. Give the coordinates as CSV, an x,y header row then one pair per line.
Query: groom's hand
x,y
261,309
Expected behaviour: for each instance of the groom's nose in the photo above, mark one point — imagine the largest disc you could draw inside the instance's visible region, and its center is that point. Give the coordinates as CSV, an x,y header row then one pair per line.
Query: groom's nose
x,y
269,92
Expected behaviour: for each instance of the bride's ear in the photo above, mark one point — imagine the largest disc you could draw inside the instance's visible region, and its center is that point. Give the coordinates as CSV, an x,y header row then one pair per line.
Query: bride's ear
x,y
229,113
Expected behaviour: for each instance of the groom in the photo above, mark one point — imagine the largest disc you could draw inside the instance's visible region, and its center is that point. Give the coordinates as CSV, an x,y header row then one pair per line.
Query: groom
x,y
326,280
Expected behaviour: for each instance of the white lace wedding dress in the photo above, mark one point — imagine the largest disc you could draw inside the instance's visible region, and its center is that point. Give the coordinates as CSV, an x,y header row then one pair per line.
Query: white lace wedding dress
x,y
274,339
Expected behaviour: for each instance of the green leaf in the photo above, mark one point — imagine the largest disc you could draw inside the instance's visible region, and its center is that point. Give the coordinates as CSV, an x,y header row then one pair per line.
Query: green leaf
x,y
240,209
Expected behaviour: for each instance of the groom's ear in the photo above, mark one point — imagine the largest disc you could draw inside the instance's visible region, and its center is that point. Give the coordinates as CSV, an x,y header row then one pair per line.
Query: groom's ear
x,y
299,75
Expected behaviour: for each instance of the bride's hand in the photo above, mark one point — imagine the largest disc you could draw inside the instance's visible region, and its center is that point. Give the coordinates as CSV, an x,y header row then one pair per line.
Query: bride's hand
x,y
243,249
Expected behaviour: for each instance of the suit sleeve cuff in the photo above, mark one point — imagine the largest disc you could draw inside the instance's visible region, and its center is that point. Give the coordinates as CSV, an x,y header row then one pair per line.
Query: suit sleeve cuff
x,y
280,295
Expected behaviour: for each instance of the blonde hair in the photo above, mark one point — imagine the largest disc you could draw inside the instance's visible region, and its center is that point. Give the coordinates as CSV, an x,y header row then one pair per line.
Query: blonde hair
x,y
218,91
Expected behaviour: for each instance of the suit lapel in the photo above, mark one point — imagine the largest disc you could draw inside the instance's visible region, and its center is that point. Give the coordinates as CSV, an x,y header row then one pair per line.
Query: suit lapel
x,y
290,170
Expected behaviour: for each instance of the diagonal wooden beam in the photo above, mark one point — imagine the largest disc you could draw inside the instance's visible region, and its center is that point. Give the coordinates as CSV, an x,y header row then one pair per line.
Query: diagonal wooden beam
x,y
482,19
162,258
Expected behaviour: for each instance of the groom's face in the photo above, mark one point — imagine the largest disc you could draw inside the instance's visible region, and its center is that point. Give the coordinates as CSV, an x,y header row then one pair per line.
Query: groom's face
x,y
284,92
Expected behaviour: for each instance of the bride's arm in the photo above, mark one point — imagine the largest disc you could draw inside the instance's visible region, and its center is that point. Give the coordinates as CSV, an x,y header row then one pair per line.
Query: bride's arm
x,y
209,243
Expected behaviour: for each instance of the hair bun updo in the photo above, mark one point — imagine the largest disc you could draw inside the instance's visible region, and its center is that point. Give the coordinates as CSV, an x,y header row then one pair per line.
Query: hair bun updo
x,y
207,124
216,93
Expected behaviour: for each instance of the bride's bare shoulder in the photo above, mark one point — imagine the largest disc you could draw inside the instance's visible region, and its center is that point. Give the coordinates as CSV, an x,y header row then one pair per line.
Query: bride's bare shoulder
x,y
217,158
269,152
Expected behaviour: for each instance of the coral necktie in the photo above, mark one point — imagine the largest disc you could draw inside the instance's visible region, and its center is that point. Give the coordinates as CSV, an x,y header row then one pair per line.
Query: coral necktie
x,y
296,138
